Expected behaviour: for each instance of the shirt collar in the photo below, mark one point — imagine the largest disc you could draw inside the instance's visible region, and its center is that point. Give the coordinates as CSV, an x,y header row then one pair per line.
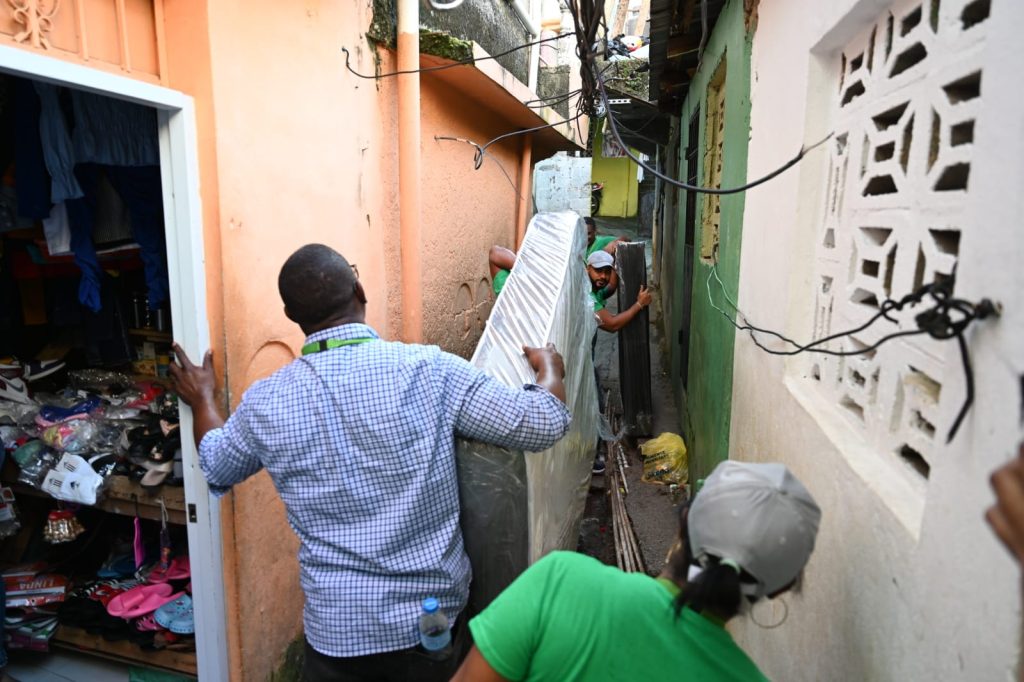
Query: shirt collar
x,y
343,332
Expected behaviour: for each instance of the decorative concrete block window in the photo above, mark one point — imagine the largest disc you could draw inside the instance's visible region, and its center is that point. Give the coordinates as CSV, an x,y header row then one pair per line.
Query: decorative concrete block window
x,y
906,95
714,137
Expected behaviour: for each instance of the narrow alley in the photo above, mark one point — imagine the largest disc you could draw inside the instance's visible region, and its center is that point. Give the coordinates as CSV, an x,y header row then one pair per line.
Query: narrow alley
x,y
481,340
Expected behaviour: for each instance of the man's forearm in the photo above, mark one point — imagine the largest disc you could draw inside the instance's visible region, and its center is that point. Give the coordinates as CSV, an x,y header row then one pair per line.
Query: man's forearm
x,y
205,418
617,322
551,379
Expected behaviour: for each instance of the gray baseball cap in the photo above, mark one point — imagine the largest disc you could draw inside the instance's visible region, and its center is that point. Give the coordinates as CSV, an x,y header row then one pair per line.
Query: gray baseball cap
x,y
758,516
600,259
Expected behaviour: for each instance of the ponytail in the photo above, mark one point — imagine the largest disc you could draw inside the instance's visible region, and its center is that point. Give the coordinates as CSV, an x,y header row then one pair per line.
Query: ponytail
x,y
716,589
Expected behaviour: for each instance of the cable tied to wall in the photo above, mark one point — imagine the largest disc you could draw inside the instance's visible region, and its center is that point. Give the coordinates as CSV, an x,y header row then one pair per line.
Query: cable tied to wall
x,y
947,318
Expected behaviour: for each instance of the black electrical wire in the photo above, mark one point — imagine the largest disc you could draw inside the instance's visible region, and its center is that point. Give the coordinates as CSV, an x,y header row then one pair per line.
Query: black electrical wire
x,y
482,153
937,322
441,67
542,102
703,32
696,188
588,18
482,149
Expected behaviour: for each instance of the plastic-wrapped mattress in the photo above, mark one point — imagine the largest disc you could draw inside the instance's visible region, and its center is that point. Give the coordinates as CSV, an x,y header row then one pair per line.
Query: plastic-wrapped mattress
x,y
518,506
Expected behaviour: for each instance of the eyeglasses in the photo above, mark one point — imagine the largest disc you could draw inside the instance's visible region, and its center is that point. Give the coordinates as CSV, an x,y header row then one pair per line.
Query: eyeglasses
x,y
355,269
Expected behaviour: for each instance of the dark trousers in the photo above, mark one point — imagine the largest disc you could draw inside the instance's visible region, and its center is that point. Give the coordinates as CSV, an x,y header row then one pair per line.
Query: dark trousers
x,y
405,665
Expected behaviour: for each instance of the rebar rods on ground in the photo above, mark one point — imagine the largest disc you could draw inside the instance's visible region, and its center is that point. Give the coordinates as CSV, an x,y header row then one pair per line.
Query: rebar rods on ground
x,y
627,550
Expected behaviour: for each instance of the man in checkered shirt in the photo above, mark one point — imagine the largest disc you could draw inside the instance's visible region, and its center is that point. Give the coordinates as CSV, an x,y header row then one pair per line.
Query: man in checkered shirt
x,y
358,435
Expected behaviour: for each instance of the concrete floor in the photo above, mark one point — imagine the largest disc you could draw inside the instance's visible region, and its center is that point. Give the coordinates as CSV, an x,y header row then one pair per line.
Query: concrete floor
x,y
62,666
652,511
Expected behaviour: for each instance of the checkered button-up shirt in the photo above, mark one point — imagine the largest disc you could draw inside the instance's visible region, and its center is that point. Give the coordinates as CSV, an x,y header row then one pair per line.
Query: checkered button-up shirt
x,y
360,443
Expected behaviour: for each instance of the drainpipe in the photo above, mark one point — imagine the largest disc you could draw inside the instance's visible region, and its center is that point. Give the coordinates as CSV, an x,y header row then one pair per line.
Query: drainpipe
x,y
522,11
525,189
410,236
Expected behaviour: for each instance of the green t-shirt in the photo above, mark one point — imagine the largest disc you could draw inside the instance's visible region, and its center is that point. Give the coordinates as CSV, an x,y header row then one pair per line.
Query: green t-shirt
x,y
570,617
498,283
599,298
599,243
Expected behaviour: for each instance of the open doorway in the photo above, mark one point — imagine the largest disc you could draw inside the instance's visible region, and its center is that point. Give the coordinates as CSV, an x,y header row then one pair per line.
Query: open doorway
x,y
111,327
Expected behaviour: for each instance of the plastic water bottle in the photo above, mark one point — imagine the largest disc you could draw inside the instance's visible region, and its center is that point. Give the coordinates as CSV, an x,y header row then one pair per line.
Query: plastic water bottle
x,y
435,632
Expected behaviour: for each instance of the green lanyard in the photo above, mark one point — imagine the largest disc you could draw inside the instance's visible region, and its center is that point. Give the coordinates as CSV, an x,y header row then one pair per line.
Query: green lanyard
x,y
327,344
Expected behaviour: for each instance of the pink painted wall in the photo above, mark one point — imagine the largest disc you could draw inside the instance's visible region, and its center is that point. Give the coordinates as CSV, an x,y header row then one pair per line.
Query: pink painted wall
x,y
465,212
305,153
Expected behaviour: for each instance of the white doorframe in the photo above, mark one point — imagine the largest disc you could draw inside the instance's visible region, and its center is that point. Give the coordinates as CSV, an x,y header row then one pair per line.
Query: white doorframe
x,y
179,170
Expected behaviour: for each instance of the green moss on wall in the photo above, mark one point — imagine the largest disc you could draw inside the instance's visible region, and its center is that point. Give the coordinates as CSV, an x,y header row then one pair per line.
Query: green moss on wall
x,y
384,25
627,76
446,46
290,667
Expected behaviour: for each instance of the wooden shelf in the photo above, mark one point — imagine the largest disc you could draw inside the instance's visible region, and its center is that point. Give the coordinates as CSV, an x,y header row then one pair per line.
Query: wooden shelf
x,y
122,496
153,334
126,652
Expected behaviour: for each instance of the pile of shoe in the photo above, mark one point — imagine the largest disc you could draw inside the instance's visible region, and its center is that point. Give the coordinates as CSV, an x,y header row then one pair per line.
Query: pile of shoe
x,y
152,609
67,443
32,600
15,377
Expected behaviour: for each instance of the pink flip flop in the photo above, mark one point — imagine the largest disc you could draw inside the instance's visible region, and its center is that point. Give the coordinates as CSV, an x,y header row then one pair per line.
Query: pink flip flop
x,y
140,600
177,570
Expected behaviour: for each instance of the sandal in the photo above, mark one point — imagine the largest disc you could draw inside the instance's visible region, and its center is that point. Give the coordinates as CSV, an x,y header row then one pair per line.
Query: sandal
x,y
178,569
164,450
141,600
177,615
156,474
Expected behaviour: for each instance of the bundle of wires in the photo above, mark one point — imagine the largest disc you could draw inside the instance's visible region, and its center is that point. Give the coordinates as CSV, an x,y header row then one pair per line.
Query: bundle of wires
x,y
588,19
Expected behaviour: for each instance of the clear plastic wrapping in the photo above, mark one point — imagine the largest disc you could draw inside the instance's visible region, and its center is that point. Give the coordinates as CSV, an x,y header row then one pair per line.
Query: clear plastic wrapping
x,y
516,506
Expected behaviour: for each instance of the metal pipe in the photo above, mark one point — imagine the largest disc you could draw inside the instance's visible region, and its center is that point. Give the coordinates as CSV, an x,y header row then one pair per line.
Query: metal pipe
x,y
410,233
525,189
524,17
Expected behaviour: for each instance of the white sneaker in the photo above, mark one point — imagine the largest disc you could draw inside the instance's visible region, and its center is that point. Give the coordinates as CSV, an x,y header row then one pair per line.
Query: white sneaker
x,y
12,386
40,369
32,370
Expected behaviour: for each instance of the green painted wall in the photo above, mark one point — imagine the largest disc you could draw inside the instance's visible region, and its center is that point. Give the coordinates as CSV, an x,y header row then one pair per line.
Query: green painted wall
x,y
619,197
706,401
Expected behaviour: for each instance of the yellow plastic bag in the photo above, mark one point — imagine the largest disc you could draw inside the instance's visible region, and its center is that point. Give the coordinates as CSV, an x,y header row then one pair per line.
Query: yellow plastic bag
x,y
665,460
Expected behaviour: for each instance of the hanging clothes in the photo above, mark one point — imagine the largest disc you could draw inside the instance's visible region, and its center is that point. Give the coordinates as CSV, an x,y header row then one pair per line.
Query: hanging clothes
x,y
112,132
58,231
58,151
32,181
118,139
141,191
82,220
113,220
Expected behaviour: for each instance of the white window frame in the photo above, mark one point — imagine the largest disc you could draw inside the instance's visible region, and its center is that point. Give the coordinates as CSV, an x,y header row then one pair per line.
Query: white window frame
x,y
179,170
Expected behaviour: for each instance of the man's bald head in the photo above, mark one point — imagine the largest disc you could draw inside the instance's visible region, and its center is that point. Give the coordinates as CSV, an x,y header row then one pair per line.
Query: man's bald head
x,y
317,286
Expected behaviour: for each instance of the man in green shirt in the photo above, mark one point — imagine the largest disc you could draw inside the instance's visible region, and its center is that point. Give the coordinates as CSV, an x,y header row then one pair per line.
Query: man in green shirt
x,y
601,271
549,625
500,261
602,242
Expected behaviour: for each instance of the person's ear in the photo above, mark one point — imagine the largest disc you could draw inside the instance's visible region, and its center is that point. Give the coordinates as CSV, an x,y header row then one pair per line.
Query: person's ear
x,y
360,293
